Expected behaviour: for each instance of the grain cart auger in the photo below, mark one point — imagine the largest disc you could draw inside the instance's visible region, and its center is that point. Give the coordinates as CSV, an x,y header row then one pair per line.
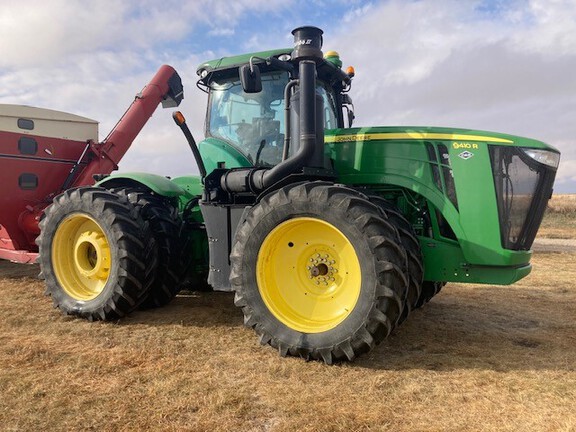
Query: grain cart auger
x,y
328,235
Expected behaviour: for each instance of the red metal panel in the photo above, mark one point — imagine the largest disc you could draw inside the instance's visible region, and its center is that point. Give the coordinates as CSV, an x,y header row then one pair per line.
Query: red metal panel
x,y
47,169
19,256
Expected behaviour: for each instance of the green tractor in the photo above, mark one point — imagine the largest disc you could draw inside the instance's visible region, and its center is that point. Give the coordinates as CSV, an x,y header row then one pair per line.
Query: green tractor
x,y
328,235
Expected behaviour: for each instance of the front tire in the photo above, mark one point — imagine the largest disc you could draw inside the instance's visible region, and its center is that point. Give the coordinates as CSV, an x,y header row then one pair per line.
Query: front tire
x,y
318,272
97,255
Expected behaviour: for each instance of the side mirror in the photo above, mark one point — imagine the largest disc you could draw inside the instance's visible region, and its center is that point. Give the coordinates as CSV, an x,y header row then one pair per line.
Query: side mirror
x,y
250,79
349,107
351,117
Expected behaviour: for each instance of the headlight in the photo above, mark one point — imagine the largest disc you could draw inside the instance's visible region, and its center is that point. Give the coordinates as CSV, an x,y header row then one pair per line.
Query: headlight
x,y
546,157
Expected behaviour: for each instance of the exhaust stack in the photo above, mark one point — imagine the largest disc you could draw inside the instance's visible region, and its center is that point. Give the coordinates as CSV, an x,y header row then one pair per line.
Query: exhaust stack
x,y
306,121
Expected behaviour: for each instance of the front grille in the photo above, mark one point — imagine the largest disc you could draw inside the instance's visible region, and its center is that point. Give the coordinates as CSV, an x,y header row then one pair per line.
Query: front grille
x,y
523,187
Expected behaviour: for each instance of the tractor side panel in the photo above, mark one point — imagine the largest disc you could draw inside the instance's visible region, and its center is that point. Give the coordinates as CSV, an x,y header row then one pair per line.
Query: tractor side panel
x,y
453,173
191,184
216,152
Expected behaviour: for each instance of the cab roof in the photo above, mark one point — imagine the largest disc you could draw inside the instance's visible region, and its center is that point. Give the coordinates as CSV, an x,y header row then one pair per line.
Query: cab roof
x,y
238,60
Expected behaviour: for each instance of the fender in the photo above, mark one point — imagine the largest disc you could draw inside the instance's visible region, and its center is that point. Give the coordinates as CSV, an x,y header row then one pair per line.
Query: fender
x,y
156,183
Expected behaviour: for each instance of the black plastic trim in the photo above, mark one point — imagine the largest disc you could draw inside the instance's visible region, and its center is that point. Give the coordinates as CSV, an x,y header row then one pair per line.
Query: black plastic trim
x,y
26,124
28,181
27,146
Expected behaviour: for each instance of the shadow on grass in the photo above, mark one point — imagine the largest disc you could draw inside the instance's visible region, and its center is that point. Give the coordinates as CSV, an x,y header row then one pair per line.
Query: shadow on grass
x,y
10,270
454,332
196,309
488,328
451,332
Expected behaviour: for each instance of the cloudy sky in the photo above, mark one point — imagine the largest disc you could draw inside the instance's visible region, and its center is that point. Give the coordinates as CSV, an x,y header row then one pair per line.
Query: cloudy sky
x,y
501,65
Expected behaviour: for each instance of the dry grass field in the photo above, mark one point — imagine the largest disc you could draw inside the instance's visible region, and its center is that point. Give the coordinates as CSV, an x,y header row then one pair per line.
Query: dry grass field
x,y
560,219
476,358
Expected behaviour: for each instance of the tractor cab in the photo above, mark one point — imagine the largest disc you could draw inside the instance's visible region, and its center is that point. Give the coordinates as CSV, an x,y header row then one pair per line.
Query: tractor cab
x,y
247,128
254,123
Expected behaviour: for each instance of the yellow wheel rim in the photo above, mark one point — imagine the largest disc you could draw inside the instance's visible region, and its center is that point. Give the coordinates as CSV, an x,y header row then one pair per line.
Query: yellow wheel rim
x,y
81,257
308,274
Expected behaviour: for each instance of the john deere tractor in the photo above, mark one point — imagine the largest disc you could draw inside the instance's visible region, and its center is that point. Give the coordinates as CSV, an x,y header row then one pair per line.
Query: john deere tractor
x,y
328,235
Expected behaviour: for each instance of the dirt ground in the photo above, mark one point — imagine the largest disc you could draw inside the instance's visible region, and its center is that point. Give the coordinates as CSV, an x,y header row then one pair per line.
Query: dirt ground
x,y
476,358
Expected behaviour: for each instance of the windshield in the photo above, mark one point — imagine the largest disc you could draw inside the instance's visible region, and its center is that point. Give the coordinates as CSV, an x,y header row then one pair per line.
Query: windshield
x,y
254,123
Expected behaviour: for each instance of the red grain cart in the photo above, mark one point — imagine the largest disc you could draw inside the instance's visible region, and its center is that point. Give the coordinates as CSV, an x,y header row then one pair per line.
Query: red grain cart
x,y
44,152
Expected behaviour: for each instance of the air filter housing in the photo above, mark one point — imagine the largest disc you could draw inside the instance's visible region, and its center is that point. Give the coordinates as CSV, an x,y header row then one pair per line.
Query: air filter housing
x,y
307,43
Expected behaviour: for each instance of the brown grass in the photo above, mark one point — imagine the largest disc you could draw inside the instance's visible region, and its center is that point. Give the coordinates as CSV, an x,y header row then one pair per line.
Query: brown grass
x,y
477,358
560,218
565,204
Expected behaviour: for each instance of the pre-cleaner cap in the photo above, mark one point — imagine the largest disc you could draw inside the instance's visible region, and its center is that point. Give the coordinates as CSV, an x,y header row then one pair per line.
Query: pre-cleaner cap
x,y
307,43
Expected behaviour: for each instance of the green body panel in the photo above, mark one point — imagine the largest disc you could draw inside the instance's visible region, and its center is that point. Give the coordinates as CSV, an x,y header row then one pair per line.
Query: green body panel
x,y
161,185
445,261
192,185
397,156
214,151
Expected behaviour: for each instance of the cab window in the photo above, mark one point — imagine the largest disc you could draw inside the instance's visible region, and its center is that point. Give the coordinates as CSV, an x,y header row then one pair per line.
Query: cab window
x,y
254,122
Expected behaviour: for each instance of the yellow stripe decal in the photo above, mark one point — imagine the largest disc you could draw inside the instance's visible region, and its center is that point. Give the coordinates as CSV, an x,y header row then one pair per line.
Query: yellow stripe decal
x,y
412,136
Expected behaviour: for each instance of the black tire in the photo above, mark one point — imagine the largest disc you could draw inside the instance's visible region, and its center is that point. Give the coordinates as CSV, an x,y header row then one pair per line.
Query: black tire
x,y
410,243
429,290
376,252
97,254
162,217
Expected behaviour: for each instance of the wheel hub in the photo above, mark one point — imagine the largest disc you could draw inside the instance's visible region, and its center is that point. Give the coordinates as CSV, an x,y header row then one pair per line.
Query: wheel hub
x,y
81,257
322,268
308,274
92,255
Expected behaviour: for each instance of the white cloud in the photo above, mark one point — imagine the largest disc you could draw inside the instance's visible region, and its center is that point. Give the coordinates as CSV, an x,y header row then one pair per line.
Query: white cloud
x,y
357,13
551,29
509,69
443,63
221,32
39,32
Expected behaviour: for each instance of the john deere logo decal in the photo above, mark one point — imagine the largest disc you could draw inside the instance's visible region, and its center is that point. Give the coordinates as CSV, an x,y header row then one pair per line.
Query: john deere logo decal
x,y
466,155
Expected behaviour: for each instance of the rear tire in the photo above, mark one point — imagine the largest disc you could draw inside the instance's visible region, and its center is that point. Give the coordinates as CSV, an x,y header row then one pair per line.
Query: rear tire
x,y
162,217
429,290
97,254
318,272
412,246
